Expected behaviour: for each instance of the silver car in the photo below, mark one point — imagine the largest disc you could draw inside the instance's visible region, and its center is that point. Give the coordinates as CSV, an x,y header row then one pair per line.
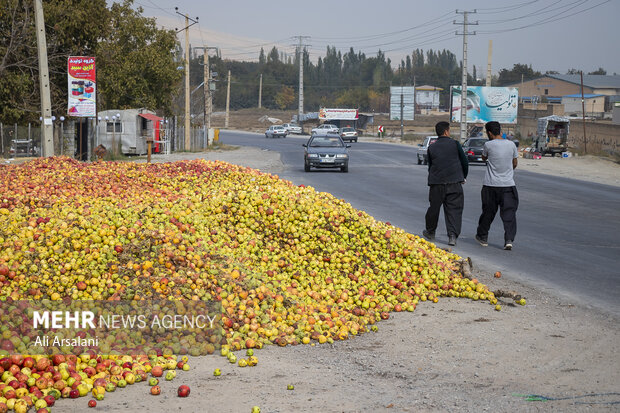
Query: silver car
x,y
324,128
423,149
348,134
276,131
292,128
326,151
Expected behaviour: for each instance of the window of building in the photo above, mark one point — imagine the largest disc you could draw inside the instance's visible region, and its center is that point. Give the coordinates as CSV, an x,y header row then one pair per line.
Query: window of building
x,y
546,91
113,127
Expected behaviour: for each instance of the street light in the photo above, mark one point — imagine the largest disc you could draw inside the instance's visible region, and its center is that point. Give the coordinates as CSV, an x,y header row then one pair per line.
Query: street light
x,y
97,131
62,135
114,134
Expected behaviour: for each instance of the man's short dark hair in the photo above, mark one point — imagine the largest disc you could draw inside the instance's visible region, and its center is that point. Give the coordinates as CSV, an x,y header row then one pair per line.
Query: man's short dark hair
x,y
441,128
494,128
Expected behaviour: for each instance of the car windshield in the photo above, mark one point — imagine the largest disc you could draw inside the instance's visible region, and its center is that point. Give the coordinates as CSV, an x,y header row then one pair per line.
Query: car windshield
x,y
278,127
325,141
348,130
476,143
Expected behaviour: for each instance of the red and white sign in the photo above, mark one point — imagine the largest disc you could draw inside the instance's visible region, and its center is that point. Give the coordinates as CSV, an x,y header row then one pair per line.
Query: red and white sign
x,y
82,86
338,114
380,128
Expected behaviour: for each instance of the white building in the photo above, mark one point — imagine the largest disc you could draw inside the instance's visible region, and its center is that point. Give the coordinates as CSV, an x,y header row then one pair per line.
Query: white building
x,y
130,129
594,104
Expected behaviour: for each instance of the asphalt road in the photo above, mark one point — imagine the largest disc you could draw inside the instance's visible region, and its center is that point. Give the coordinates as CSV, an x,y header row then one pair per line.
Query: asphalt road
x,y
568,239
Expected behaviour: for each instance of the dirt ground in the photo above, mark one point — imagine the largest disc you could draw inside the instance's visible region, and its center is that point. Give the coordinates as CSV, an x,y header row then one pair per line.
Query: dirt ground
x,y
454,356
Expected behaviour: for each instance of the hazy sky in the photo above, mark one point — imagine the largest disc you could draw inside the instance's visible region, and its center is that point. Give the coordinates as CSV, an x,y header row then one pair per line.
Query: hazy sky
x,y
548,34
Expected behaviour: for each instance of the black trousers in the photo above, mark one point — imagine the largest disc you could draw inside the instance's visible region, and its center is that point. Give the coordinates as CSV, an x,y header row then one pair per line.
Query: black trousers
x,y
507,199
452,199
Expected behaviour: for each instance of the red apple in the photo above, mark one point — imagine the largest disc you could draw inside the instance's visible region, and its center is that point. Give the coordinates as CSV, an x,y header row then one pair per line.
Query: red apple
x,y
183,391
50,400
155,390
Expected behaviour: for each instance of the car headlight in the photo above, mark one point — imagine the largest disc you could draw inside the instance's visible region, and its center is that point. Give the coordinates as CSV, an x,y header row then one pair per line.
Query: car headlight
x,y
313,155
342,155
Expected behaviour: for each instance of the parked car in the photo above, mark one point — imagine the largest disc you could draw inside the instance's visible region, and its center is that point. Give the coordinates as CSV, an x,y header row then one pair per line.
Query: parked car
x,y
473,149
292,128
423,149
348,134
324,128
326,151
276,131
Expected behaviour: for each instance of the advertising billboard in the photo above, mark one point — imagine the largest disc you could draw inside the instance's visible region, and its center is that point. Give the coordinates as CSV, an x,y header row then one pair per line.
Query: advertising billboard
x,y
81,86
338,114
485,104
408,102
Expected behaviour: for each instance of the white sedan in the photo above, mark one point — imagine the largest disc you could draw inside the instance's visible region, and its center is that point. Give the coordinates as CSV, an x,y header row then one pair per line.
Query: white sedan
x,y
292,128
276,131
324,128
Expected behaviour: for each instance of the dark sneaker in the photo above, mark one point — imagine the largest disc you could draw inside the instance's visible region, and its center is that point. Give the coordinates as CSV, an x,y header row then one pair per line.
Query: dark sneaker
x,y
508,245
481,241
429,235
452,240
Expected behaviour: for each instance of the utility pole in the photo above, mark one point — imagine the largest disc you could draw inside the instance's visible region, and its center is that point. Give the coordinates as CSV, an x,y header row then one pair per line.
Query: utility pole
x,y
583,117
260,90
402,109
207,89
300,52
465,22
489,57
187,91
47,128
415,98
227,102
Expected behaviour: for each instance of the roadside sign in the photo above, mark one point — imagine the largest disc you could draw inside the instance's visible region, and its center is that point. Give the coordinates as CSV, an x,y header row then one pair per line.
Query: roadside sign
x,y
402,101
380,128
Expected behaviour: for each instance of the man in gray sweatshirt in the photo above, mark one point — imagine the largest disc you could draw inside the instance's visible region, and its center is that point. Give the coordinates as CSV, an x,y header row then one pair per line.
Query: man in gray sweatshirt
x,y
499,189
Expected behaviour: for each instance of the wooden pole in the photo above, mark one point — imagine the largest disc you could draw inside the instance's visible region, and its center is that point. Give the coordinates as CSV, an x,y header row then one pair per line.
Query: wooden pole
x,y
149,143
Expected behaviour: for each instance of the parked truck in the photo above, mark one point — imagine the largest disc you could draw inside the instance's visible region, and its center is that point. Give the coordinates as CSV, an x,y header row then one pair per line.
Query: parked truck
x,y
552,135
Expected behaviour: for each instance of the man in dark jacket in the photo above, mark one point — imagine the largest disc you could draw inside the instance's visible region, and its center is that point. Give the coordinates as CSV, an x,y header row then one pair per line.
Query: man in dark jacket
x,y
447,170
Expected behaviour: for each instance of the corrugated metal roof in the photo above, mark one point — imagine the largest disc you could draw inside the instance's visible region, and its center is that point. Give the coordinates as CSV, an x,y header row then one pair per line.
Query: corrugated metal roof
x,y
593,81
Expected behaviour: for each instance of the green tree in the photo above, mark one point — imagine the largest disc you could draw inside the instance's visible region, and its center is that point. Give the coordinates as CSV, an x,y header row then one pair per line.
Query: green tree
x,y
285,97
516,74
136,64
353,98
599,71
71,29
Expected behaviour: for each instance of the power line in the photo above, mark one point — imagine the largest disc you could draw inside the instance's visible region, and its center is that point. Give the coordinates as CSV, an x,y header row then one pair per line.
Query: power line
x,y
546,21
506,8
435,21
537,13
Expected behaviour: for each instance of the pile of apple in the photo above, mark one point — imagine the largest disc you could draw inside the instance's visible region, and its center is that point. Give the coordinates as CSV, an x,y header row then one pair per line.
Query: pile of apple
x,y
38,381
288,264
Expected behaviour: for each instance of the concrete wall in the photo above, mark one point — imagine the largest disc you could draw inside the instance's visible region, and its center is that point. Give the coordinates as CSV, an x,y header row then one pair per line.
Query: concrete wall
x,y
593,106
601,137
